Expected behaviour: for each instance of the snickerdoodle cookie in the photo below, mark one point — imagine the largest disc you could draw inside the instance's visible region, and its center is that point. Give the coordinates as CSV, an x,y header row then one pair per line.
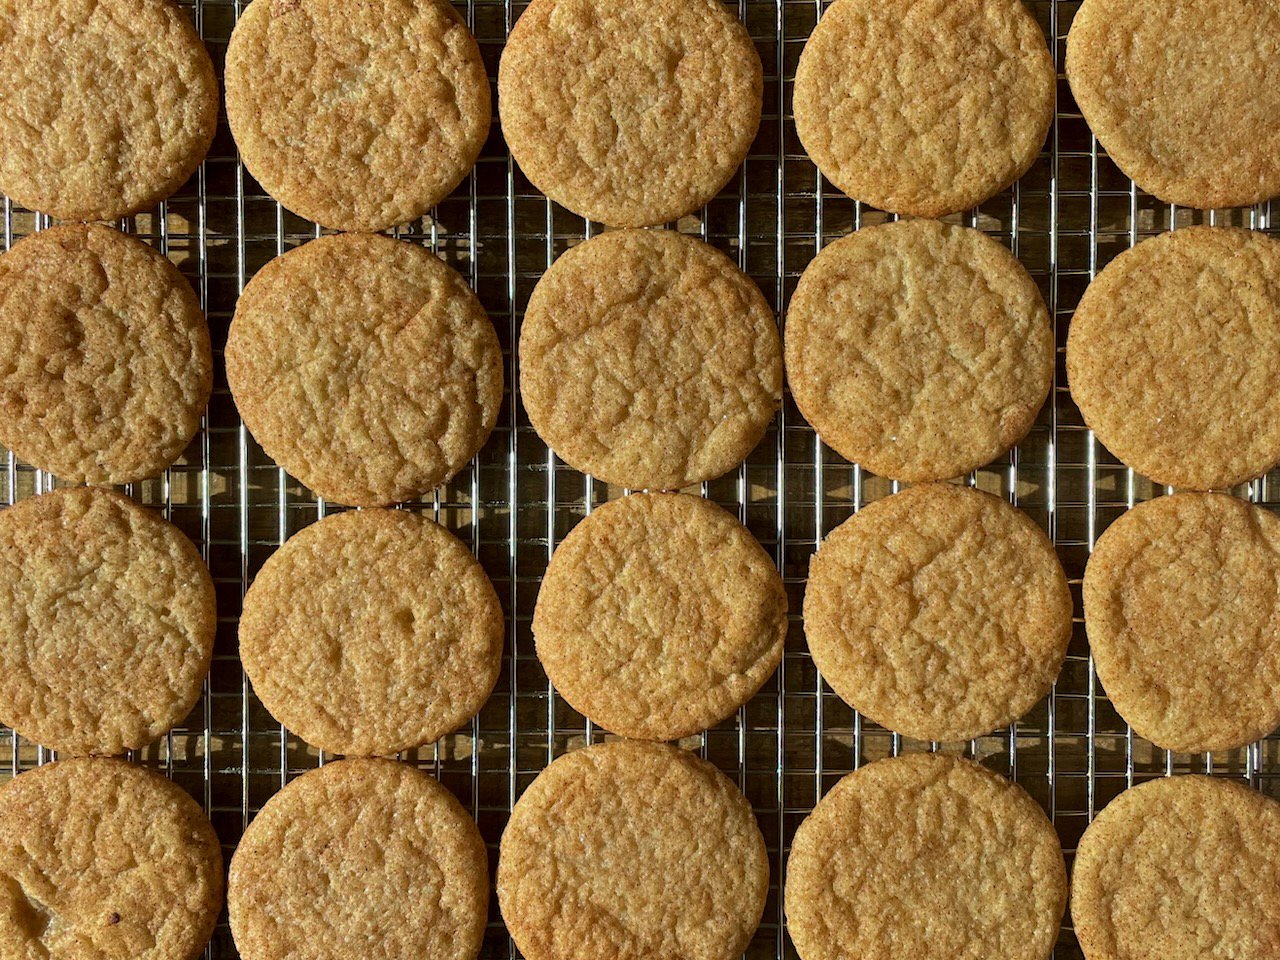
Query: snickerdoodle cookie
x,y
940,612
919,349
924,107
1174,353
630,851
1182,605
659,615
630,112
106,106
359,116
649,360
925,855
364,366
106,622
1184,95
105,364
372,632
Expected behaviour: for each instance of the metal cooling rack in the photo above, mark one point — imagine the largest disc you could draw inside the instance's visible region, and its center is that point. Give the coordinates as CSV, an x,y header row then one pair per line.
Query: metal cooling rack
x,y
1071,214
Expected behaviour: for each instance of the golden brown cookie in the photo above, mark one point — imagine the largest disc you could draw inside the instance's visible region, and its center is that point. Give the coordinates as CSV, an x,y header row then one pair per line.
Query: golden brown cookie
x,y
366,367
372,632
360,858
925,855
630,112
659,615
630,851
359,116
106,106
919,349
106,622
649,360
105,365
940,612
1182,605
1174,353
1181,868
1184,95
924,107
100,858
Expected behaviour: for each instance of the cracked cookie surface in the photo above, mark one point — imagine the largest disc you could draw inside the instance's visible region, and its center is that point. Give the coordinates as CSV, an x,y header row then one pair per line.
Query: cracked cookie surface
x,y
919,349
940,612
366,367
659,615
629,112
925,855
1173,356
100,858
649,360
1182,606
1183,95
106,622
105,363
629,851
106,106
924,107
1128,902
372,632
358,116
354,853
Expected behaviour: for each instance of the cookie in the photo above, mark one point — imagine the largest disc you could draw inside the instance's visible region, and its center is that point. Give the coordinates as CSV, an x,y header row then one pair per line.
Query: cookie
x,y
99,858
629,851
1181,868
106,106
1173,356
925,855
105,364
924,107
1182,606
659,615
941,612
918,349
358,116
1183,95
106,622
373,632
365,367
360,858
649,360
630,112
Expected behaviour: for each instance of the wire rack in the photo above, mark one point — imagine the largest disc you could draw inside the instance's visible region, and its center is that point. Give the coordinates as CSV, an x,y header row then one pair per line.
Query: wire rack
x,y
1071,214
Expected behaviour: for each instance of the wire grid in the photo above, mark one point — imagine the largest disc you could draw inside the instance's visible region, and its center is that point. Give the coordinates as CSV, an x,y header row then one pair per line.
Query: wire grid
x,y
1071,214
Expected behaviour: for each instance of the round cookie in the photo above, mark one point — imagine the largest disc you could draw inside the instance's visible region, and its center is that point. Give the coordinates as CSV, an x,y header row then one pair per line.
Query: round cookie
x,y
1173,356
629,851
366,367
106,106
360,853
359,116
99,858
1181,868
372,632
1183,95
107,621
105,364
919,349
941,612
1182,606
629,112
649,360
925,855
924,107
659,615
